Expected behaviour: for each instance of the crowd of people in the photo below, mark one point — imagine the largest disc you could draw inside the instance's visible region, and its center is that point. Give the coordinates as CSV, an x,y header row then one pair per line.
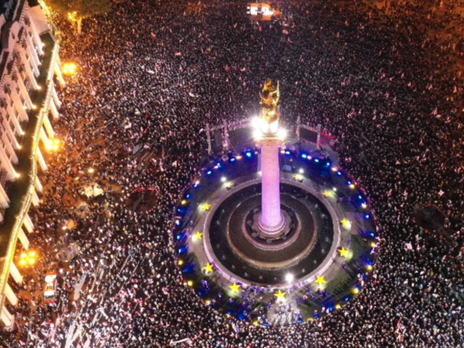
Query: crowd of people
x,y
153,74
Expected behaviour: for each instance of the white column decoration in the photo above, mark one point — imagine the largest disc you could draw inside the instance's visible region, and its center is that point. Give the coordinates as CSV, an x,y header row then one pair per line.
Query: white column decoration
x,y
4,200
10,295
7,318
15,274
28,223
38,185
23,238
41,160
48,127
54,110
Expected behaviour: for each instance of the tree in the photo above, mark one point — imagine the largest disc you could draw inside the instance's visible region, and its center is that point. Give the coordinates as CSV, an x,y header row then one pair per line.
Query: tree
x,y
77,10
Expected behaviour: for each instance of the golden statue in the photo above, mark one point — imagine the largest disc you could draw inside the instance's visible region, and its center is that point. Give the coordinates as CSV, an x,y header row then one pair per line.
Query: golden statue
x,y
269,102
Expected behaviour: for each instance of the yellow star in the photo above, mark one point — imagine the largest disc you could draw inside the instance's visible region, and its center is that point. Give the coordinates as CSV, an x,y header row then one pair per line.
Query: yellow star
x,y
280,295
343,252
207,207
208,268
321,280
235,287
199,235
346,224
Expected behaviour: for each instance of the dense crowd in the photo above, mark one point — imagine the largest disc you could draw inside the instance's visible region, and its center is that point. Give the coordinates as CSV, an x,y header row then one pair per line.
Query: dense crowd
x,y
152,74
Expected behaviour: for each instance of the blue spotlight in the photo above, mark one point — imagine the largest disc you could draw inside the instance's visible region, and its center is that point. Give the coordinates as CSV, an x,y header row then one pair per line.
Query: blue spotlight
x,y
189,268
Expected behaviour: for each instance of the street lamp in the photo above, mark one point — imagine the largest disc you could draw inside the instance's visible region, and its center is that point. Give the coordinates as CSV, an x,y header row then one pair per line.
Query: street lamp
x,y
69,68
53,145
28,258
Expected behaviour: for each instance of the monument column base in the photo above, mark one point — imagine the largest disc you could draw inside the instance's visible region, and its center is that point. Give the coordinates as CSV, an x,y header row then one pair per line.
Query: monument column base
x,y
274,229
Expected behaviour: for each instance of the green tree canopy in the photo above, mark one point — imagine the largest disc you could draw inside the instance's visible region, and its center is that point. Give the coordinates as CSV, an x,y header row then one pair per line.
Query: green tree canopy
x,y
77,10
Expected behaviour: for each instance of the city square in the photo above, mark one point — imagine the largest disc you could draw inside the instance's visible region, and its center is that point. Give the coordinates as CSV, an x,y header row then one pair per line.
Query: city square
x,y
232,174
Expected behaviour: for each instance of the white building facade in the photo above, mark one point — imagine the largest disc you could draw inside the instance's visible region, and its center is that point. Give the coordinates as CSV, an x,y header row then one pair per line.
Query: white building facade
x,y
29,63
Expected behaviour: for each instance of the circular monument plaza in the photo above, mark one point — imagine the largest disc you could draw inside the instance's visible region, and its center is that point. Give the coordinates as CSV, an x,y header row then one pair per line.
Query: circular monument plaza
x,y
317,259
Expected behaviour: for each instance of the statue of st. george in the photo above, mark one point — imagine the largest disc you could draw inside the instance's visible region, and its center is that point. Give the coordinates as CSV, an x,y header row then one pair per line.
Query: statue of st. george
x,y
269,102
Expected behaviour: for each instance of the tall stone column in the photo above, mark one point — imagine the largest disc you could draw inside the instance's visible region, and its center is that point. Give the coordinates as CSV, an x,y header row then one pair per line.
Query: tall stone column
x,y
271,219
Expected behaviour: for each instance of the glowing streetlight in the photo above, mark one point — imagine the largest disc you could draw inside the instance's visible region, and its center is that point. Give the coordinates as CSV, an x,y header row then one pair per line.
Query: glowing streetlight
x,y
69,68
72,16
55,144
28,258
52,145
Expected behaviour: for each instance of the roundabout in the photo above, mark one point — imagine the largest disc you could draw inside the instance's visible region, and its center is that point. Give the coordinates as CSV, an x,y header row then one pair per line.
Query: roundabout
x,y
275,227
318,260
